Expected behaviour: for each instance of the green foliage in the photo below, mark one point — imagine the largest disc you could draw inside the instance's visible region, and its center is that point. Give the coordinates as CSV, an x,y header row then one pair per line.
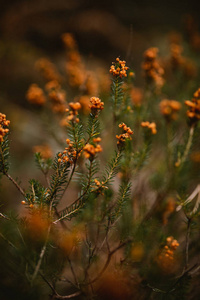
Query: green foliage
x,y
38,194
112,168
123,197
93,126
58,181
76,134
4,155
43,164
117,96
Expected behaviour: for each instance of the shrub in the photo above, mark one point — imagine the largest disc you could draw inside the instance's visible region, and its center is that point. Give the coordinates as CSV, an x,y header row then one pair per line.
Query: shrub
x,y
115,219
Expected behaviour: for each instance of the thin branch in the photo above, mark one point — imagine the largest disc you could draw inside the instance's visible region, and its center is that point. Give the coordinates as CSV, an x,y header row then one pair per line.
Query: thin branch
x,y
112,169
110,254
181,160
187,243
4,217
57,296
73,272
41,256
6,240
15,183
78,199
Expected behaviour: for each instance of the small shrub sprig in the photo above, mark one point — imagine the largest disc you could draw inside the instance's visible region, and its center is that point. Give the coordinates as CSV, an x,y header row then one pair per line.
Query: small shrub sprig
x,y
4,149
118,70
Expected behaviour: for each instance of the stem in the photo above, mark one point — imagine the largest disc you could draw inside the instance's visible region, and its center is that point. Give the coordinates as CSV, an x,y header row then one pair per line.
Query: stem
x,y
15,183
169,147
76,158
115,102
56,295
110,253
37,268
188,146
68,296
78,199
6,240
187,244
112,169
73,272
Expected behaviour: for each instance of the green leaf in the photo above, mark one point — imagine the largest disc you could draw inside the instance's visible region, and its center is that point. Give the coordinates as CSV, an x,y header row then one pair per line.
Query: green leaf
x,y
4,155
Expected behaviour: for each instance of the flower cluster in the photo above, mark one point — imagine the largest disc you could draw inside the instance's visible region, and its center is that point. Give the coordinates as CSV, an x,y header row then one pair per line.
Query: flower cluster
x,y
96,105
57,96
90,150
151,126
126,135
194,107
69,154
179,62
118,69
73,112
153,71
192,32
85,104
166,256
37,224
98,186
169,109
35,95
176,57
3,123
48,70
69,41
136,96
75,69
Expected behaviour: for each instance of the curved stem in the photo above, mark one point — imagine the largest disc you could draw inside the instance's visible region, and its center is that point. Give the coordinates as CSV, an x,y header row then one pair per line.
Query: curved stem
x,y
187,244
187,148
15,183
37,268
110,253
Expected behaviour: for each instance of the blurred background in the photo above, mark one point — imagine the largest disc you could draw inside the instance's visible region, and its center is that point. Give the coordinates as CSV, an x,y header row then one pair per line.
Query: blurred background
x,y
103,30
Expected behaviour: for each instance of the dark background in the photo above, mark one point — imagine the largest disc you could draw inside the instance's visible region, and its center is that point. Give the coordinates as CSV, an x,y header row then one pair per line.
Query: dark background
x,y
103,29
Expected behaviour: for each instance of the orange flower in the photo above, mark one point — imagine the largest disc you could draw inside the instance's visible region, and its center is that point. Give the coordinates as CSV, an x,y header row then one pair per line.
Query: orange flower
x,y
38,224
166,259
69,154
177,60
136,96
152,70
194,107
85,104
3,123
169,109
48,69
151,126
96,105
118,69
69,41
75,106
35,95
91,150
126,135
